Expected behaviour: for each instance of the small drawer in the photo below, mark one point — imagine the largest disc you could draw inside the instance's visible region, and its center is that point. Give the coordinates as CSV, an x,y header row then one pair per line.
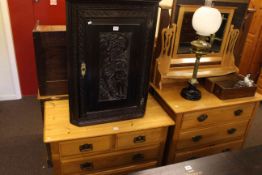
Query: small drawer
x,y
84,146
212,134
109,161
189,155
140,138
219,115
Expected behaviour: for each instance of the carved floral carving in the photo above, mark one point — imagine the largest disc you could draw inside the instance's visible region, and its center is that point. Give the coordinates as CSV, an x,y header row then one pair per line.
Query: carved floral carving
x,y
114,64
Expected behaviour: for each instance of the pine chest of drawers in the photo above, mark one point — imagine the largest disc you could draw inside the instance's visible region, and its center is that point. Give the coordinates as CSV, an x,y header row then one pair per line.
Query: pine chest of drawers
x,y
111,148
207,126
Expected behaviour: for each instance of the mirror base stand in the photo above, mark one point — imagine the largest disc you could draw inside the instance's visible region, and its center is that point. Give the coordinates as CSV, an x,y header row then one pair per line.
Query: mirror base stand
x,y
191,93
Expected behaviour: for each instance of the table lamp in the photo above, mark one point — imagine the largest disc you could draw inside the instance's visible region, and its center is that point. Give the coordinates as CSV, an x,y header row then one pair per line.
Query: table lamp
x,y
206,21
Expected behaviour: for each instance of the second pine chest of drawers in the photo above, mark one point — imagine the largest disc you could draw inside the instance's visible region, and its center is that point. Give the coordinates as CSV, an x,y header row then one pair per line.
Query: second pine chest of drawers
x,y
207,126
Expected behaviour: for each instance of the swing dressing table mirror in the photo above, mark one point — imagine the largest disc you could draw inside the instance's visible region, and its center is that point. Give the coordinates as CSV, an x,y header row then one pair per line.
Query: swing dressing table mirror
x,y
176,61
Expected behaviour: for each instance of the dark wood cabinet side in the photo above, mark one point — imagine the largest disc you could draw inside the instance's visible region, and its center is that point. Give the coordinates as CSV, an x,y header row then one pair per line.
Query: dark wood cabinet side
x,y
50,55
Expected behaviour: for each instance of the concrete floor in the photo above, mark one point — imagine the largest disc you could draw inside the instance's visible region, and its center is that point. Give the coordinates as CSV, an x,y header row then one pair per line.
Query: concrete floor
x,y
21,145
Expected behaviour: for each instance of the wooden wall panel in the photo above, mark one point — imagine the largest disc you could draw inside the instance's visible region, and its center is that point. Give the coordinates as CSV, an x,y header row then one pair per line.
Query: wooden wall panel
x,y
251,59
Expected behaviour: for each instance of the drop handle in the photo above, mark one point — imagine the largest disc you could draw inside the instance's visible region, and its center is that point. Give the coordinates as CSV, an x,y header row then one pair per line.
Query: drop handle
x,y
87,166
138,157
202,117
197,138
226,150
86,147
238,112
231,130
139,139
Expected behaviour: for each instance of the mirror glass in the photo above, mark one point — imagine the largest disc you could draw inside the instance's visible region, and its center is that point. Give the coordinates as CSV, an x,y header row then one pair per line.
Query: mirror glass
x,y
188,34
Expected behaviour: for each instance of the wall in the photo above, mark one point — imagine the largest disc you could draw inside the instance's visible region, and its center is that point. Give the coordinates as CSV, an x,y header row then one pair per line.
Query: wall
x,y
22,22
9,83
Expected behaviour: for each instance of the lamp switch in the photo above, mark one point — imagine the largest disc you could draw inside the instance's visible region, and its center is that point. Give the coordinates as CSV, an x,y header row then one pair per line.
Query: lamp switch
x,y
53,2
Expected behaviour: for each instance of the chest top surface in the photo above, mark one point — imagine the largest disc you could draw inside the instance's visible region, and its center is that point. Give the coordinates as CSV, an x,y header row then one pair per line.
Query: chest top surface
x,y
170,95
57,126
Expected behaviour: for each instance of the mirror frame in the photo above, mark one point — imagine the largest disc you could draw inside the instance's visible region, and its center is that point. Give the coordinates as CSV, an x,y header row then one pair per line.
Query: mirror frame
x,y
179,60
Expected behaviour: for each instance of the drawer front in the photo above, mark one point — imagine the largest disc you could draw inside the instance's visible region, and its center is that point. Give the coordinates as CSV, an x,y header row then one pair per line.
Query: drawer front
x,y
124,170
189,155
140,138
212,134
85,146
109,161
219,115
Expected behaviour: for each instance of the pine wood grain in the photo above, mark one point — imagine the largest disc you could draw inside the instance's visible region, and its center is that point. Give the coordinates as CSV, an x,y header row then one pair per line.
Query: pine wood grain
x,y
193,154
110,160
127,140
217,116
104,143
170,95
58,128
212,135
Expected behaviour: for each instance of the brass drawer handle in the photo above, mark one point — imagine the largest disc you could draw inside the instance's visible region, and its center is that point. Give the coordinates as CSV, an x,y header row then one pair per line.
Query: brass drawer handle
x,y
197,138
238,112
226,150
139,139
86,147
87,166
202,117
192,158
231,130
138,157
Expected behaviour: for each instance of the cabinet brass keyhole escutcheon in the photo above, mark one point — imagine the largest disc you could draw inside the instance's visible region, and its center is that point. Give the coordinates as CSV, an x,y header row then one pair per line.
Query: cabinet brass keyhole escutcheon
x,y
202,117
139,139
83,69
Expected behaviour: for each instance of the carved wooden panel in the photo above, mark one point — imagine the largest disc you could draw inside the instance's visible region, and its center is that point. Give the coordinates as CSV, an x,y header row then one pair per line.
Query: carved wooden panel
x,y
114,62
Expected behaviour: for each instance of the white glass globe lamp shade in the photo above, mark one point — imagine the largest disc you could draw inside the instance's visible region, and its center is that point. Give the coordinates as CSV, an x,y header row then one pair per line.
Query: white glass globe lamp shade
x,y
206,20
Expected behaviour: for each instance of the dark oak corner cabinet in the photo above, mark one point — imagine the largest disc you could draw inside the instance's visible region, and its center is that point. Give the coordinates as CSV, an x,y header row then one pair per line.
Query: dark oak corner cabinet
x,y
110,44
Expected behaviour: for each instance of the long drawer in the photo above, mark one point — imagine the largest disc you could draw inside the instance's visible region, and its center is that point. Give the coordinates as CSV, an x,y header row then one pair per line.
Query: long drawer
x,y
86,146
212,134
188,155
216,116
124,169
106,161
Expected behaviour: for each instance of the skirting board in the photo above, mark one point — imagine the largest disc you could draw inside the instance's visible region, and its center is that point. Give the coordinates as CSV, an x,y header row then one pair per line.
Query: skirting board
x,y
9,97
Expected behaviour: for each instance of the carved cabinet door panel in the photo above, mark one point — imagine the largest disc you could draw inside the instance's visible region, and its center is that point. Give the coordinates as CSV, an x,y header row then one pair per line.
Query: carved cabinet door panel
x,y
112,56
109,60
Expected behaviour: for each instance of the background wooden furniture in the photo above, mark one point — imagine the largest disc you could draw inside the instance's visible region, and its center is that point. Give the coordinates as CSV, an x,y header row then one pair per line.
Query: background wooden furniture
x,y
50,55
207,126
259,83
251,59
111,148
